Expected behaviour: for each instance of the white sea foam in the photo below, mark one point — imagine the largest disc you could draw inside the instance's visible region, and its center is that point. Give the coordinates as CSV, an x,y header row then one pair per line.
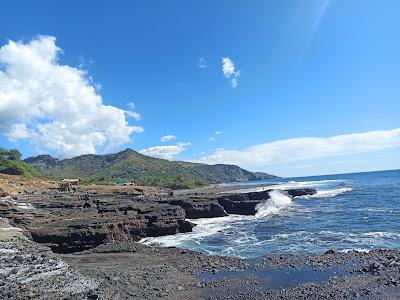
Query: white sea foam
x,y
358,237
382,235
286,185
277,202
327,193
211,226
359,250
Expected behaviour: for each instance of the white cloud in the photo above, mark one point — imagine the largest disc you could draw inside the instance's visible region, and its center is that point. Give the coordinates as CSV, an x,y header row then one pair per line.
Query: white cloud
x,y
133,114
202,63
166,152
55,105
305,148
168,138
18,131
234,82
230,72
218,132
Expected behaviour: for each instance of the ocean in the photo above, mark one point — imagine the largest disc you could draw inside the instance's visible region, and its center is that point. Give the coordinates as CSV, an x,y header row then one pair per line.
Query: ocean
x,y
356,211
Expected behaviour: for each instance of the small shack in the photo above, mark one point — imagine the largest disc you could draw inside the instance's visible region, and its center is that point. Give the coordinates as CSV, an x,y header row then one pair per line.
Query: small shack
x,y
67,183
71,181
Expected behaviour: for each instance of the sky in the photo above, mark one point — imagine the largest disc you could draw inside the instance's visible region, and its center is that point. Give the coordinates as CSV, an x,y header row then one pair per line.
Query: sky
x,y
293,88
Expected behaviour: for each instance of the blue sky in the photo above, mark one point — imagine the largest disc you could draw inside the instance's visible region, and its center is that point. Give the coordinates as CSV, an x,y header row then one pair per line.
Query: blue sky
x,y
293,70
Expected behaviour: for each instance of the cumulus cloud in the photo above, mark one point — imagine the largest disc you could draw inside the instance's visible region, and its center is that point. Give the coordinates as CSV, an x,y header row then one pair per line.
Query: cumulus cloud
x,y
165,152
306,148
202,63
230,71
168,138
55,106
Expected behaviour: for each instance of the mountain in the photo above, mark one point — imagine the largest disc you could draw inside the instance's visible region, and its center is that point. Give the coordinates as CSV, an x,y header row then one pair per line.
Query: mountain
x,y
130,165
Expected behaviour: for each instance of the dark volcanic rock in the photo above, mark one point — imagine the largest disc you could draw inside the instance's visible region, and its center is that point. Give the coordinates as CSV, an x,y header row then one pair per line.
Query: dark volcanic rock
x,y
12,171
31,271
199,208
67,223
81,220
241,207
301,192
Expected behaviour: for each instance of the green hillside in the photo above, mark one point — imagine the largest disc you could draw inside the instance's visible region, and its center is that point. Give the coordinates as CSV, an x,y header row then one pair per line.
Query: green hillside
x,y
10,163
130,165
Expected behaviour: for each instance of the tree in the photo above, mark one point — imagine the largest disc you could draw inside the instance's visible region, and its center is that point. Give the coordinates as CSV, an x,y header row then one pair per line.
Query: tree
x,y
14,154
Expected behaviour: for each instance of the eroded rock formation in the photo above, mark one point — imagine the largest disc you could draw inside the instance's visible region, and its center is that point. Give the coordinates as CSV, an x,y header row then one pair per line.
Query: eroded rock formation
x,y
76,221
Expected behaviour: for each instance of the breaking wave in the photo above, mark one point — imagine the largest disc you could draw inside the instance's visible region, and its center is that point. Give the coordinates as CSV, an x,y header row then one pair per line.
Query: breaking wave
x,y
277,202
211,226
327,193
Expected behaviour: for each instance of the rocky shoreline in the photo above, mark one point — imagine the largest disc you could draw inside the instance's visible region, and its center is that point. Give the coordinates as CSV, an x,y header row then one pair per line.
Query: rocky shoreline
x,y
82,245
85,218
135,271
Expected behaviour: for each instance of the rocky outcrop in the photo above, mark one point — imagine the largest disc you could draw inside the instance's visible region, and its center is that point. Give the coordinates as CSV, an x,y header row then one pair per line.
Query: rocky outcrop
x,y
199,208
247,207
12,170
66,223
301,192
76,221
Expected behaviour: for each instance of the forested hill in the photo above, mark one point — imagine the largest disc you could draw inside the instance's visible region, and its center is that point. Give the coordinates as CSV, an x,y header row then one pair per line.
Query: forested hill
x,y
130,165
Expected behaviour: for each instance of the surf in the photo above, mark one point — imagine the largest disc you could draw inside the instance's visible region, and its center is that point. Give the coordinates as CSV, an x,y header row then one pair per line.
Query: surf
x,y
327,193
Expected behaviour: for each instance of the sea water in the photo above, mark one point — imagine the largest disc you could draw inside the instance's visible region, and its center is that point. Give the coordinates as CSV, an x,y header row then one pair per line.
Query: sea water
x,y
358,211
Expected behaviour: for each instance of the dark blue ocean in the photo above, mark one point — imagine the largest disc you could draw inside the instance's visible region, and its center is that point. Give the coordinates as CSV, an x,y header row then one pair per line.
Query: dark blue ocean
x,y
350,211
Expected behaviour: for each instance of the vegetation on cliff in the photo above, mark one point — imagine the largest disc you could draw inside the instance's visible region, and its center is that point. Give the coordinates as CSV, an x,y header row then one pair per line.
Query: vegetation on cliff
x,y
130,165
11,163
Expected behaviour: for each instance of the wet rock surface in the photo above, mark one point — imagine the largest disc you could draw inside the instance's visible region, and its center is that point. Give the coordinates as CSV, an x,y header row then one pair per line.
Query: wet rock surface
x,y
135,271
333,275
31,271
